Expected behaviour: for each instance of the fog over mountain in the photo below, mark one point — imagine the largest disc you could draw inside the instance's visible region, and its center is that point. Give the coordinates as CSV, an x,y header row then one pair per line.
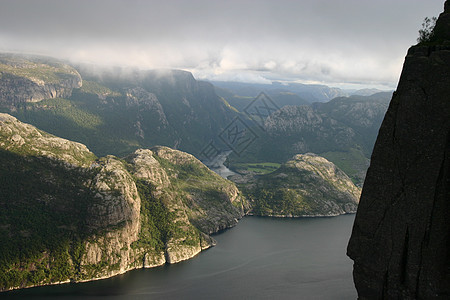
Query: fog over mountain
x,y
348,43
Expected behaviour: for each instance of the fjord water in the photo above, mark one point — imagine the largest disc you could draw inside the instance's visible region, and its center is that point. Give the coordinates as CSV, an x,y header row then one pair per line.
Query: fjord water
x,y
261,258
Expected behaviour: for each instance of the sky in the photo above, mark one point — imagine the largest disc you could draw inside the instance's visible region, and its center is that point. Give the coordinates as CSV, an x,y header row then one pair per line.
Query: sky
x,y
340,43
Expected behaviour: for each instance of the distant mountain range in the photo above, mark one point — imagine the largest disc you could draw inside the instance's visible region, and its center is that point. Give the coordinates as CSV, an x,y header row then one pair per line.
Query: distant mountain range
x,y
68,215
343,130
118,110
305,93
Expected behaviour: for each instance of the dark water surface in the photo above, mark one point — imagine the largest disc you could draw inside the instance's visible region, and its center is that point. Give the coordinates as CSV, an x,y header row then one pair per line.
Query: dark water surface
x,y
261,258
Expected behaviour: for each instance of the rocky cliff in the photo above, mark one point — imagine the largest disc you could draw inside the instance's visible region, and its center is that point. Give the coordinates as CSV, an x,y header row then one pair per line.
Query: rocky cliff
x,y
113,110
32,80
67,216
342,130
400,242
306,185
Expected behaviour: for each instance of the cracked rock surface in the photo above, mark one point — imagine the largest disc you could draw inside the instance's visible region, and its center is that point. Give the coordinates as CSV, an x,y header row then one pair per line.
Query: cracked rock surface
x,y
400,242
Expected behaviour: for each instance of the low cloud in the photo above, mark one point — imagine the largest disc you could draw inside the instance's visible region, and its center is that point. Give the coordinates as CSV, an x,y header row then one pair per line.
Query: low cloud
x,y
330,42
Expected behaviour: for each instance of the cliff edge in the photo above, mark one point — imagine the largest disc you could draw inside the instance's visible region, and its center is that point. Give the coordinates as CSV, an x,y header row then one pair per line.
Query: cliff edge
x,y
67,216
400,242
32,79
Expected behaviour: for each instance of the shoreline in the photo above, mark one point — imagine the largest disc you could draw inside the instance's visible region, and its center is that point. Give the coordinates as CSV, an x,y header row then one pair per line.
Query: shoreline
x,y
4,292
302,216
68,281
100,278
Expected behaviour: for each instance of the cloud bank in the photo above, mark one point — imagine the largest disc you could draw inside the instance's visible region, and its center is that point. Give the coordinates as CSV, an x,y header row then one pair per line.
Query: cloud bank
x,y
335,42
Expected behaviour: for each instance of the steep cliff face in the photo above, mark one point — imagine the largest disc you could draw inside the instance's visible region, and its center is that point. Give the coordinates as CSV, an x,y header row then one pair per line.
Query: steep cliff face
x,y
114,110
306,185
400,242
66,215
32,80
339,124
165,107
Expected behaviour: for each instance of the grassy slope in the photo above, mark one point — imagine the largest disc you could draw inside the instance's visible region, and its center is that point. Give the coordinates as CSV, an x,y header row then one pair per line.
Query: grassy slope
x,y
257,168
38,69
294,191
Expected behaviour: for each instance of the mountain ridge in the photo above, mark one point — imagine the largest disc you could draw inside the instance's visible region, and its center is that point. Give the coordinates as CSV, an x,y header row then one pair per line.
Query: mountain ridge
x,y
116,110
342,130
77,217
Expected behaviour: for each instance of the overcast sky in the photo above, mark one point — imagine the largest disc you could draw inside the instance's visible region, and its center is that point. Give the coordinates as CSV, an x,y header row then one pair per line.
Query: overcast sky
x,y
334,42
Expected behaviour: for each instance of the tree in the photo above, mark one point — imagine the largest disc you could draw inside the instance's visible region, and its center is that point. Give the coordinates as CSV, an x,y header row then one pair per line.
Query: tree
x,y
427,31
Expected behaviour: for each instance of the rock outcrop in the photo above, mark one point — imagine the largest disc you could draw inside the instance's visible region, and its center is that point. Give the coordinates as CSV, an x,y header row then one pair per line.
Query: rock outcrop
x,y
31,80
400,242
200,185
96,218
20,137
306,185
